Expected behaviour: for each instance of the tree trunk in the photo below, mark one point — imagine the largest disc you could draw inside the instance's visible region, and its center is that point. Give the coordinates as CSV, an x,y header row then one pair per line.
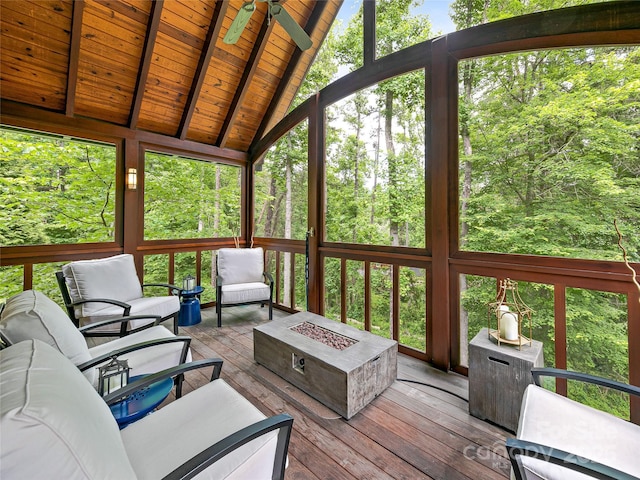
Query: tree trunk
x,y
375,172
288,214
393,197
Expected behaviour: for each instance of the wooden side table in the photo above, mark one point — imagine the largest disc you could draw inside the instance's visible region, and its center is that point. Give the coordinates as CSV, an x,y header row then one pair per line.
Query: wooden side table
x,y
498,376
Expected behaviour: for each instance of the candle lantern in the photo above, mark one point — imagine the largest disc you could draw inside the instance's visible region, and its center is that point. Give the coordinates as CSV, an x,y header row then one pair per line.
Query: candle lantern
x,y
510,312
189,283
112,376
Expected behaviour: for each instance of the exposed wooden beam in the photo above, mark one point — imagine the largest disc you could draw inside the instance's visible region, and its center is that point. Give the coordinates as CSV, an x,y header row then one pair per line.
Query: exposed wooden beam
x,y
203,64
145,62
243,87
314,18
369,31
74,56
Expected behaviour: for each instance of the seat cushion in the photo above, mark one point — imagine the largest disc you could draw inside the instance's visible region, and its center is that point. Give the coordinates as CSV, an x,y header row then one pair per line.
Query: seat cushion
x,y
245,292
53,423
113,278
147,360
220,411
240,265
31,314
161,306
558,422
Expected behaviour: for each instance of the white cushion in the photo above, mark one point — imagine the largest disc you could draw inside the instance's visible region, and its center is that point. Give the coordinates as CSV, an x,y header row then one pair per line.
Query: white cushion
x,y
219,412
53,423
245,292
113,278
31,314
161,306
558,422
240,265
147,360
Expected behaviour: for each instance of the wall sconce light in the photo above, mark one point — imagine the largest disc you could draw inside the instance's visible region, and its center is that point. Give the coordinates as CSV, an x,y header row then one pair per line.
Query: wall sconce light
x,y
132,179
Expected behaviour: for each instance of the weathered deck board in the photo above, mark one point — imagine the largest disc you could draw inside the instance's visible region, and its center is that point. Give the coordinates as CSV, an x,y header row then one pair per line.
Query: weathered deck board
x,y
411,431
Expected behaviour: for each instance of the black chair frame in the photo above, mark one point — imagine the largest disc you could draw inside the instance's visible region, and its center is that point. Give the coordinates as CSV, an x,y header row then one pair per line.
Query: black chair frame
x,y
268,279
126,309
517,448
192,467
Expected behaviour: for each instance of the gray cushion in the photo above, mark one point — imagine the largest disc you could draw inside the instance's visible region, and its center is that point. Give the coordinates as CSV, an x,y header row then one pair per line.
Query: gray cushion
x,y
31,314
54,424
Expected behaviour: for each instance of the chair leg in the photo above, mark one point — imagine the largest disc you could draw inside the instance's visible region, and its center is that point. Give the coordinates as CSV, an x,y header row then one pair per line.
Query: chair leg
x,y
175,323
270,310
219,314
178,383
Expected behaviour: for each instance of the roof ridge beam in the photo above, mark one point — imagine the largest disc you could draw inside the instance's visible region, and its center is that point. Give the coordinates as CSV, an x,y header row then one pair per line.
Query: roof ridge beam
x,y
74,57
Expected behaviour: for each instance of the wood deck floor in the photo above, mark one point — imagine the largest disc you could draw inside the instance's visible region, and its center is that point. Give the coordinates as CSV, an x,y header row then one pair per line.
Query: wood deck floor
x,y
411,431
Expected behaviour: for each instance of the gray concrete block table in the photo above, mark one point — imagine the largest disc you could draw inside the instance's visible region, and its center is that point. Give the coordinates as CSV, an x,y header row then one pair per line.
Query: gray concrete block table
x,y
498,376
343,380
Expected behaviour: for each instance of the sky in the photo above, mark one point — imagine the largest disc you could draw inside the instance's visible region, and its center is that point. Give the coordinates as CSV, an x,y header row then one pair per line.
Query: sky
x,y
437,10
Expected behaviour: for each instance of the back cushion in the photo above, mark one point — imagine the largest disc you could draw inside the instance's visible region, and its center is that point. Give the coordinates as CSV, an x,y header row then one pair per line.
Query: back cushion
x,y
240,265
54,424
113,278
31,314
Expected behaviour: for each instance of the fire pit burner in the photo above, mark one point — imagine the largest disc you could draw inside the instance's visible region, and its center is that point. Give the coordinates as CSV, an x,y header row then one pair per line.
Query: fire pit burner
x,y
323,335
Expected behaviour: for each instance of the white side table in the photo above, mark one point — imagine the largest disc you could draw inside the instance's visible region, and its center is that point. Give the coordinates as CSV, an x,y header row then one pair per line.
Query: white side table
x,y
498,376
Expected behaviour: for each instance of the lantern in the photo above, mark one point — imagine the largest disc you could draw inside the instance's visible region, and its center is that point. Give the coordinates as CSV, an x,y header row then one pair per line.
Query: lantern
x,y
509,311
189,283
112,376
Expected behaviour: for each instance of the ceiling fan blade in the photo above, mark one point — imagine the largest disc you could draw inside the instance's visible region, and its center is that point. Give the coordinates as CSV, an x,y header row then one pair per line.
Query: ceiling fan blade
x,y
238,24
294,30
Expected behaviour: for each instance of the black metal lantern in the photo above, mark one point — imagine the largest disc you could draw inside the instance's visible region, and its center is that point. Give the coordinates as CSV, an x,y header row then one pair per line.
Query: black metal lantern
x,y
112,376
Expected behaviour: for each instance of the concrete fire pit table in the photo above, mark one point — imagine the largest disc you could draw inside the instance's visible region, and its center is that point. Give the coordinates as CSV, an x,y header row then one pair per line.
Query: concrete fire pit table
x,y
344,380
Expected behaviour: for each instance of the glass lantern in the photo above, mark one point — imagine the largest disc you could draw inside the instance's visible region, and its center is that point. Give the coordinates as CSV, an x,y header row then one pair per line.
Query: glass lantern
x,y
509,312
189,282
113,376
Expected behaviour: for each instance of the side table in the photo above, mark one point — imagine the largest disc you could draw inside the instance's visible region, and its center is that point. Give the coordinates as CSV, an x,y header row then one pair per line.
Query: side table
x,y
139,404
189,307
498,376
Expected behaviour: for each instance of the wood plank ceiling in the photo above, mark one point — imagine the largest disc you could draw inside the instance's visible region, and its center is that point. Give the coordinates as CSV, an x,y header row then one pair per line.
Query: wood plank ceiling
x,y
160,65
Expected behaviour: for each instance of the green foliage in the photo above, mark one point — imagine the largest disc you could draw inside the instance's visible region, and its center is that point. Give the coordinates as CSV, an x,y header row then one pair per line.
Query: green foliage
x,y
185,198
55,190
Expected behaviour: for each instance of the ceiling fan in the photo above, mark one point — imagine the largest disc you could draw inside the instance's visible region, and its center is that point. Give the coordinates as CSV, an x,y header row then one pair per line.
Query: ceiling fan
x,y
277,12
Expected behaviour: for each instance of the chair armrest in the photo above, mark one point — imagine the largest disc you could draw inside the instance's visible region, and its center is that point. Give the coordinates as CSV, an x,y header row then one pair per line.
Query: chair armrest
x,y
147,380
102,323
282,422
583,377
174,289
138,346
517,448
268,277
126,306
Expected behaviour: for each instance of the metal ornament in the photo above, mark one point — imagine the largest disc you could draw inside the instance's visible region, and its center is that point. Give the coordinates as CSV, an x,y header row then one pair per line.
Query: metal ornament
x,y
509,311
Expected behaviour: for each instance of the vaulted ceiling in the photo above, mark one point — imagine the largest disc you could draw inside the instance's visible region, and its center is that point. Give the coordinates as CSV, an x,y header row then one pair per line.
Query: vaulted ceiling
x,y
159,66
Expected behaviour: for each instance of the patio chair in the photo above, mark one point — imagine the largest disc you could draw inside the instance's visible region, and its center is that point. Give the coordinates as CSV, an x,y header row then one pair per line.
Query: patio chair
x,y
560,439
32,315
241,279
95,290
54,425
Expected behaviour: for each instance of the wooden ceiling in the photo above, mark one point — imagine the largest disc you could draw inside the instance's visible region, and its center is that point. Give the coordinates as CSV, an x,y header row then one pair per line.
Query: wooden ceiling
x,y
159,66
